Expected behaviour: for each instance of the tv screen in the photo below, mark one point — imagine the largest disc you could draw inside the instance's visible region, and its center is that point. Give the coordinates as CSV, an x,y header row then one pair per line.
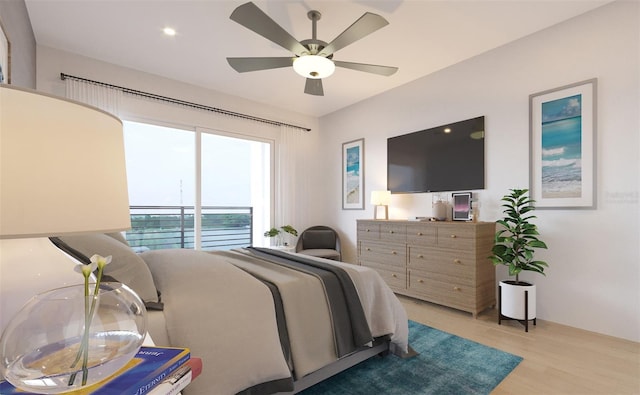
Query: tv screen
x,y
444,158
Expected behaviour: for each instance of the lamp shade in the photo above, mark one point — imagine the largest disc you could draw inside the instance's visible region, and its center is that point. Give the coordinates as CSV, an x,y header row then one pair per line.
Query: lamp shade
x,y
380,198
314,66
62,171
62,167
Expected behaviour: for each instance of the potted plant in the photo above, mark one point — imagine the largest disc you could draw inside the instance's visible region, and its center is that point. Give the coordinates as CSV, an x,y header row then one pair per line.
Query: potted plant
x,y
515,244
275,232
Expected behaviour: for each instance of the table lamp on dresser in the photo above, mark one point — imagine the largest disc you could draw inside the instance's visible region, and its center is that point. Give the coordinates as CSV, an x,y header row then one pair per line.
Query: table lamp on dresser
x,y
62,171
380,199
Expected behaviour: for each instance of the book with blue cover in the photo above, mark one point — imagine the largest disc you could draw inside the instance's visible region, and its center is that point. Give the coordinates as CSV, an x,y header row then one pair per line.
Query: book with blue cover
x,y
146,370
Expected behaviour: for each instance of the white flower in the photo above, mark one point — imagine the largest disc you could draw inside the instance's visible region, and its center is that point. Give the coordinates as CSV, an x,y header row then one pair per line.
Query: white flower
x,y
85,270
100,261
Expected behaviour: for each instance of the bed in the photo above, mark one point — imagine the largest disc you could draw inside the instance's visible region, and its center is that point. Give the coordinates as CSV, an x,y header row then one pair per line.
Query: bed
x,y
263,321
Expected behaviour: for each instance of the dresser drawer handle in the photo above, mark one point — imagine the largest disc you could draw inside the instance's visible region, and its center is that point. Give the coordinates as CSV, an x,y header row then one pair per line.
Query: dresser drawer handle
x,y
456,288
421,281
457,261
419,233
394,252
368,249
367,230
391,231
394,275
453,236
420,256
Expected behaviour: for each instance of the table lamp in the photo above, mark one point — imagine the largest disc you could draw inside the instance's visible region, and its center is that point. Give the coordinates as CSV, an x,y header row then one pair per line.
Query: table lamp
x,y
380,198
62,171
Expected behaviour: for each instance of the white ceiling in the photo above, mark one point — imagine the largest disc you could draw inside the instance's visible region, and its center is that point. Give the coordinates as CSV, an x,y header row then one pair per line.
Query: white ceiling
x,y
423,36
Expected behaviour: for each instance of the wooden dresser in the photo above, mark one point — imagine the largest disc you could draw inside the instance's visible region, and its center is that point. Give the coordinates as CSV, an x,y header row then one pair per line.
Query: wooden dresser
x,y
441,262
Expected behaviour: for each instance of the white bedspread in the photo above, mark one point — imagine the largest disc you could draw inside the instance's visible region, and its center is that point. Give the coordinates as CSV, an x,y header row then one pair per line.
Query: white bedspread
x,y
226,317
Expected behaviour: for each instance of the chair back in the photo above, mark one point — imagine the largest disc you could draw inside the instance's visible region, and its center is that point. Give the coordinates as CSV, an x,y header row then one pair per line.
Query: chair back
x,y
318,237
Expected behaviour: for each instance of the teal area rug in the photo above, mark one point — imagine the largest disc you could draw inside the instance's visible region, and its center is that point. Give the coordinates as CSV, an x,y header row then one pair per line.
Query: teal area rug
x,y
446,364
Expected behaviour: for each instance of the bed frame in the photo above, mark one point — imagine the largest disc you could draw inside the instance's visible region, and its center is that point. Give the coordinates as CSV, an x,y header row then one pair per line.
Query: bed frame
x,y
381,346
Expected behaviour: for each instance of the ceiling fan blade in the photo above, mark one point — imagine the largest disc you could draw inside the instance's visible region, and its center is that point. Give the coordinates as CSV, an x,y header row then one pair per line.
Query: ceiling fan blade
x,y
253,18
242,65
313,86
367,24
367,68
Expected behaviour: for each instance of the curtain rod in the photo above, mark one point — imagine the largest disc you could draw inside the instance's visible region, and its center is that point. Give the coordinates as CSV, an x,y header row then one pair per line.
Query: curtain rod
x,y
153,96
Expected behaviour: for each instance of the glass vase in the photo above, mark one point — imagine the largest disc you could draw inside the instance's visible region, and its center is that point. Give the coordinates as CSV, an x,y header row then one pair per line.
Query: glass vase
x,y
62,340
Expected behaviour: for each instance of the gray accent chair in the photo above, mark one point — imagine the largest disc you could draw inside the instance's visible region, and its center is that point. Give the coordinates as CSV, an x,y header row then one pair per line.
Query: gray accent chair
x,y
320,241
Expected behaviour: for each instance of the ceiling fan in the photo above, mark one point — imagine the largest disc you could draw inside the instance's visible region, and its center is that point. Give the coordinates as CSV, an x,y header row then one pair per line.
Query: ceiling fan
x,y
313,58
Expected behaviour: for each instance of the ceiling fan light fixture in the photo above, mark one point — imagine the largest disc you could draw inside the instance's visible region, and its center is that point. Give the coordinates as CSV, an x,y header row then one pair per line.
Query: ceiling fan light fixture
x,y
313,66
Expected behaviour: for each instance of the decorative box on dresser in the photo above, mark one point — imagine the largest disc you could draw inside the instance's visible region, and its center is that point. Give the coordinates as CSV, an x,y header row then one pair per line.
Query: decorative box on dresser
x,y
441,262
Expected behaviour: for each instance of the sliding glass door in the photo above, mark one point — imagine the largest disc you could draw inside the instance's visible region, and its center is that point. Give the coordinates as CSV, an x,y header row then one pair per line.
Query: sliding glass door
x,y
196,189
235,175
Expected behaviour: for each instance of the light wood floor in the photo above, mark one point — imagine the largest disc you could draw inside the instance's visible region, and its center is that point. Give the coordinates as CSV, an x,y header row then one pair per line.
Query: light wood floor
x,y
557,359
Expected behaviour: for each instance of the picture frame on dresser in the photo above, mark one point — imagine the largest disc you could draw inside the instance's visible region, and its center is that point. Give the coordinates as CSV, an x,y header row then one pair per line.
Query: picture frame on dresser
x,y
353,175
461,206
562,134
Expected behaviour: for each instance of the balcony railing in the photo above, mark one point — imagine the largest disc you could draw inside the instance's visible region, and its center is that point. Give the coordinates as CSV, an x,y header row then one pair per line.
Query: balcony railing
x,y
161,227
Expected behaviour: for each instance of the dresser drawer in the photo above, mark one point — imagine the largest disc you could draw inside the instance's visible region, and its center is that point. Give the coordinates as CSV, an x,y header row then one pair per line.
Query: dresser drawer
x,y
393,232
395,281
394,276
456,237
454,295
422,234
433,258
368,231
446,273
385,254
456,267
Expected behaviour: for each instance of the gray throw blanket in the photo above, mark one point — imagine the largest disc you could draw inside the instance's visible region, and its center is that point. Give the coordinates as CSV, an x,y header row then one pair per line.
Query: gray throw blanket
x,y
350,325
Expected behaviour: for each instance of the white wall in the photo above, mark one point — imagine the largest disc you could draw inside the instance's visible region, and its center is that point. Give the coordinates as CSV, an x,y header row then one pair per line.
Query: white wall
x,y
17,26
593,281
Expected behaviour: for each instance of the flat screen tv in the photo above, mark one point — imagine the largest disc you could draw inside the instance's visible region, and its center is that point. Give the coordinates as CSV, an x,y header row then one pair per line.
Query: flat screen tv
x,y
444,158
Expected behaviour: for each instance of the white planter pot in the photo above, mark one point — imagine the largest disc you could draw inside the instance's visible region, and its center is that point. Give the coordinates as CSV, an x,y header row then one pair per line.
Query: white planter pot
x,y
512,300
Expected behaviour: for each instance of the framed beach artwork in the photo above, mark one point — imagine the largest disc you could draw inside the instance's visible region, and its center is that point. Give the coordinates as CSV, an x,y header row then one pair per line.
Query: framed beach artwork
x,y
563,146
5,57
353,175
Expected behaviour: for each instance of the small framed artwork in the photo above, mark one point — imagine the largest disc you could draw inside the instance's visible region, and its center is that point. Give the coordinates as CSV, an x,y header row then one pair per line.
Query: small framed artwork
x,y
562,135
462,206
5,57
353,175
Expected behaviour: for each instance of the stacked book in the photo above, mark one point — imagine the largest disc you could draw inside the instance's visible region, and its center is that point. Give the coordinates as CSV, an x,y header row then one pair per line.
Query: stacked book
x,y
153,371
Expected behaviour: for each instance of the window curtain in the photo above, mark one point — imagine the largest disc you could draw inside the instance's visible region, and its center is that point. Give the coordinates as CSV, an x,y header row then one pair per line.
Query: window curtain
x,y
288,162
102,97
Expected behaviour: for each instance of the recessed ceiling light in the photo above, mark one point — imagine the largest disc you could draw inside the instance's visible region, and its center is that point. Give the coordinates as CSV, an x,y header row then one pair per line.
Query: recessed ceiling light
x,y
447,130
169,31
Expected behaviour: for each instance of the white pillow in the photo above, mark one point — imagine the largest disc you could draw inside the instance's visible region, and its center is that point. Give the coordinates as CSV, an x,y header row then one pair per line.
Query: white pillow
x,y
125,267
